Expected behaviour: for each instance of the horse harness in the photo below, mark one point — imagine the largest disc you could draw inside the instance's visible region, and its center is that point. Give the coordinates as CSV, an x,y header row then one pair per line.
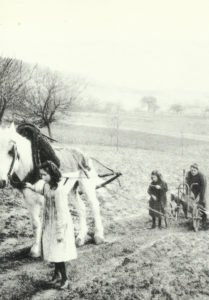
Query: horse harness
x,y
13,177
41,151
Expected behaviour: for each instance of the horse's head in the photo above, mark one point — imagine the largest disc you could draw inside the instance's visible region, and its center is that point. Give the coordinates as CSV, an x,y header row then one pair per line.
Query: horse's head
x,y
9,158
15,155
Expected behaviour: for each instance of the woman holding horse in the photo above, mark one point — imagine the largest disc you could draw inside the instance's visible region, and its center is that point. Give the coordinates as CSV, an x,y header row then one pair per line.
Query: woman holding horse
x,y
58,242
158,200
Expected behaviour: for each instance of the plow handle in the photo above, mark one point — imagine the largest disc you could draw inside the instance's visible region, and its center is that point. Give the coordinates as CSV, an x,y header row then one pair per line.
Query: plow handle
x,y
117,174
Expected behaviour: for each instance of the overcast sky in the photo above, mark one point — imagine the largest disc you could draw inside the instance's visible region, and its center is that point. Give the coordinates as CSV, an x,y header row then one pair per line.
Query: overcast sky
x,y
157,46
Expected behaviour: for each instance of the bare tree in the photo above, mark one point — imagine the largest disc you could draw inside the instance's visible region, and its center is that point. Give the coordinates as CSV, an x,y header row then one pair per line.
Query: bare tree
x,y
49,96
13,78
151,103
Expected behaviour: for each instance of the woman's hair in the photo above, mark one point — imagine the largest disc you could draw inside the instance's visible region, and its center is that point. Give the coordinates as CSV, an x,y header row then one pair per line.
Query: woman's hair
x,y
53,171
158,174
194,166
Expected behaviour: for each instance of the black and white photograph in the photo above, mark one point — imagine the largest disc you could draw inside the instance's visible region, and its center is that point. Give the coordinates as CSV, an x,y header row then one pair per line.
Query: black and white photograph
x,y
104,149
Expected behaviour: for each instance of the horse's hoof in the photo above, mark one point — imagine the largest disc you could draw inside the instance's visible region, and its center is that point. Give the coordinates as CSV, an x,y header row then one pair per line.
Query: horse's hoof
x,y
35,252
34,255
98,240
79,242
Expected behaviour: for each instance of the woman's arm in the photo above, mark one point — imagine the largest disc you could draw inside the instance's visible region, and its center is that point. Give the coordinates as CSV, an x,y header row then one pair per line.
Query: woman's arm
x,y
38,187
164,187
149,191
203,186
61,219
29,186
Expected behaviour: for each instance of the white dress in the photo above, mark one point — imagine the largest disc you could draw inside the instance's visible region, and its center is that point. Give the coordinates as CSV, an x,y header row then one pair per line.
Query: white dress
x,y
57,224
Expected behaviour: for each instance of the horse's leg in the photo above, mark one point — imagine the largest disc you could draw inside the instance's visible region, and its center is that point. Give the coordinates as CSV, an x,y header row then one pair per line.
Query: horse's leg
x,y
34,203
89,188
81,208
37,229
166,223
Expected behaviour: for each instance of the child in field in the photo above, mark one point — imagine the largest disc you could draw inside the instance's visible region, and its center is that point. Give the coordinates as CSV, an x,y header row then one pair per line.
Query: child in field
x,y
58,241
158,200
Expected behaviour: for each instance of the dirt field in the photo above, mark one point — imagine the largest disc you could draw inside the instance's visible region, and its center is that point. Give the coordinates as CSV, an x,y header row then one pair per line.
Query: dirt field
x,y
134,262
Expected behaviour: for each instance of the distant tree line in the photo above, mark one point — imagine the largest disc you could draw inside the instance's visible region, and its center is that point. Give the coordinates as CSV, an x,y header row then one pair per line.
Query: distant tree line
x,y
42,96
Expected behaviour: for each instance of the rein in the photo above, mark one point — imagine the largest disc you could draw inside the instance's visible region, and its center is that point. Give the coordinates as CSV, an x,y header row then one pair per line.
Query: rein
x,y
15,156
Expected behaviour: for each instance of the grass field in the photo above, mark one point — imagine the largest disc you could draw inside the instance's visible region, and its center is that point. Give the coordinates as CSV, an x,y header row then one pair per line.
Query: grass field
x,y
162,123
135,262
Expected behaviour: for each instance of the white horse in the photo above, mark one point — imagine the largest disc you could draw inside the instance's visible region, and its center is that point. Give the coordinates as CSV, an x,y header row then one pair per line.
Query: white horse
x,y
16,157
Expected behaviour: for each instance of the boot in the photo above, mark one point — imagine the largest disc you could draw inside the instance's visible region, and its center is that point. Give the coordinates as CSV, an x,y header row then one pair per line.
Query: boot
x,y
56,277
204,221
159,223
153,223
64,284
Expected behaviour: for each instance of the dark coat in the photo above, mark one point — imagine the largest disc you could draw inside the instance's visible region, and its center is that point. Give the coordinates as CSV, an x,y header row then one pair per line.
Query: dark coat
x,y
200,188
160,203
